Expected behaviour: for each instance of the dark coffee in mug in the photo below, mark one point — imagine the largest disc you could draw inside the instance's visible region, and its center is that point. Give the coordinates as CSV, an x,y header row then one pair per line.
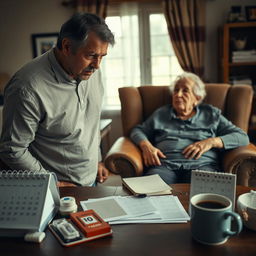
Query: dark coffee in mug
x,y
211,204
211,217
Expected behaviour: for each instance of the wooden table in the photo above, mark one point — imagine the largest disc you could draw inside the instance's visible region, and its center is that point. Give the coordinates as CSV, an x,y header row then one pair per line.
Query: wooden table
x,y
135,239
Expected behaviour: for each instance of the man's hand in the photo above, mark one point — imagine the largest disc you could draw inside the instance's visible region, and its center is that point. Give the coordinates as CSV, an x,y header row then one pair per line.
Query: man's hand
x,y
65,184
151,155
103,172
196,149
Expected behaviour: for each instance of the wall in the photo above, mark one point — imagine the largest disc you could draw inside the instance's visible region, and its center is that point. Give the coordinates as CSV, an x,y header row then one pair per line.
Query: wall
x,y
21,18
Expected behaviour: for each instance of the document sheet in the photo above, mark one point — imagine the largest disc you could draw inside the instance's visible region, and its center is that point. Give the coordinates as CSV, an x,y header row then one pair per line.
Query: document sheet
x,y
129,209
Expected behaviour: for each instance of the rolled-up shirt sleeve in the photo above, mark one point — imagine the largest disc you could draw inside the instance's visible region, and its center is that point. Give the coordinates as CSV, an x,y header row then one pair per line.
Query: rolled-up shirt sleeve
x,y
21,117
231,135
144,131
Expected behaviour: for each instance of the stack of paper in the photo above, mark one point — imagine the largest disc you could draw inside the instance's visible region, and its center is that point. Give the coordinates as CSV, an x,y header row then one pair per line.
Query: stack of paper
x,y
129,209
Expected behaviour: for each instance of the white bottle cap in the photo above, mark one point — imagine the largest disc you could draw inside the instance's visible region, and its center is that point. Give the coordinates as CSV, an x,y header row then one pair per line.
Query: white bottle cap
x,y
67,205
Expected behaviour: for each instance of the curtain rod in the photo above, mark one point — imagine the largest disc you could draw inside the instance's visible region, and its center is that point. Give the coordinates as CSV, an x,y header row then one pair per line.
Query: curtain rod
x,y
68,3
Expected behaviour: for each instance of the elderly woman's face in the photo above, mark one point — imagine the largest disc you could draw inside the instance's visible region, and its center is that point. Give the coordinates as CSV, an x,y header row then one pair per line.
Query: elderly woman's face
x,y
183,98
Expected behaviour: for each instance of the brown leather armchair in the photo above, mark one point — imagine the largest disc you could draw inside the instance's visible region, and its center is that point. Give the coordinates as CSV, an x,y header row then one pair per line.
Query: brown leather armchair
x,y
137,103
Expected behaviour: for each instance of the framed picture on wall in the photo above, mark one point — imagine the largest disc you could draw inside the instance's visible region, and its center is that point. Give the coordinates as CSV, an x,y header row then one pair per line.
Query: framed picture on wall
x,y
41,43
250,13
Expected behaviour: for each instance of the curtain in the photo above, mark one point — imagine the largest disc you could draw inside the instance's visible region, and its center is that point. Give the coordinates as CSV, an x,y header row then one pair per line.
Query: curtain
x,y
98,7
186,26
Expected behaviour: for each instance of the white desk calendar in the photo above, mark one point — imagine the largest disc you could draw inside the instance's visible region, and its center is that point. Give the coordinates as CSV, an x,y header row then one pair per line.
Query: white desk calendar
x,y
213,182
28,202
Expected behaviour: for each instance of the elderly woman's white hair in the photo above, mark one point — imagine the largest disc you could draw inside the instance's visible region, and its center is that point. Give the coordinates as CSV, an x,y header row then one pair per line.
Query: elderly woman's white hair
x,y
199,88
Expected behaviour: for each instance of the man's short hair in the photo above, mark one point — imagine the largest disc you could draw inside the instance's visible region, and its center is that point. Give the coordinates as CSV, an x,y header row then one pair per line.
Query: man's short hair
x,y
77,28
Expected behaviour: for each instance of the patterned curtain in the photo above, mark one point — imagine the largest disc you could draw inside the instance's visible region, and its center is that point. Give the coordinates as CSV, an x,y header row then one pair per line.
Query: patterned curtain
x,y
98,7
186,25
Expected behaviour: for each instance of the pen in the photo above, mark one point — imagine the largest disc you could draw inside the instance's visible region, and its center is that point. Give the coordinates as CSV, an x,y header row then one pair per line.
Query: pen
x,y
141,195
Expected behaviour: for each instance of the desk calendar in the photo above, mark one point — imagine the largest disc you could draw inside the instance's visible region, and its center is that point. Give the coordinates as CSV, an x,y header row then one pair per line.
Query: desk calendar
x,y
28,201
81,227
213,182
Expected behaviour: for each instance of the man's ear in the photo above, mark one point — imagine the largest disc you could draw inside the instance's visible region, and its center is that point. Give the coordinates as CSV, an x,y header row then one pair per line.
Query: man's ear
x,y
66,46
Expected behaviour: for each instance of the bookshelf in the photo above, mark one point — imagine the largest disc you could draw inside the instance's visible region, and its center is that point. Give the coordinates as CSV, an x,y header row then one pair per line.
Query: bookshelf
x,y
240,67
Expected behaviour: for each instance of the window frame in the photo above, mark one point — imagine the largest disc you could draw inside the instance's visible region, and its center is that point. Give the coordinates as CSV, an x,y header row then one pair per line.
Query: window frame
x,y
144,12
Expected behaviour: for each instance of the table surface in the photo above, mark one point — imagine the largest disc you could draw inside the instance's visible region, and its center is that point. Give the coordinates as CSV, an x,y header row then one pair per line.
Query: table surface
x,y
135,239
105,126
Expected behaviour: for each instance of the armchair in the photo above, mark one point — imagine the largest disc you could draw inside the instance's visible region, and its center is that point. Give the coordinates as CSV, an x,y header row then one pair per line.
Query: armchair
x,y
137,103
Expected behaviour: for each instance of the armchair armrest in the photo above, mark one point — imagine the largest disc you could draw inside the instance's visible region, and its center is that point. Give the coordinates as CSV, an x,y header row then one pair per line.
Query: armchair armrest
x,y
124,158
242,161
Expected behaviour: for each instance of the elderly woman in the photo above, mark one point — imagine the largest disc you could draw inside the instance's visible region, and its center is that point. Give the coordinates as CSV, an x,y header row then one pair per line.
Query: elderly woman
x,y
186,135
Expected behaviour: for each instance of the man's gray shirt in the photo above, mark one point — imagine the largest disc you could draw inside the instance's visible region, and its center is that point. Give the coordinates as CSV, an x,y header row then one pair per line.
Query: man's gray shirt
x,y
51,122
171,135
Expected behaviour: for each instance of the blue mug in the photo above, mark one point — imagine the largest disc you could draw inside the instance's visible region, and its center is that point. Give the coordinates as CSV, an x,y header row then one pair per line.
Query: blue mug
x,y
211,216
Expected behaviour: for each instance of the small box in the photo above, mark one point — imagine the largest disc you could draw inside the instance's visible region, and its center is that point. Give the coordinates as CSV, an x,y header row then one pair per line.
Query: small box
x,y
90,223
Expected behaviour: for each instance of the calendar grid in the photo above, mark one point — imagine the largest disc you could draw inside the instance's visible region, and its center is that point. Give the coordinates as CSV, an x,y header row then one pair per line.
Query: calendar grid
x,y
22,200
213,182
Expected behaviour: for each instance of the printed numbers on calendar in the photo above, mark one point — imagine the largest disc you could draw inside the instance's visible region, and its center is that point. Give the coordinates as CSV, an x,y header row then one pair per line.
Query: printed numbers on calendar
x,y
90,219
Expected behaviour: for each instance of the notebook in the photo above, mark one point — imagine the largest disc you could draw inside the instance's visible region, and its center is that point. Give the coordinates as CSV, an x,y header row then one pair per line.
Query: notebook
x,y
147,185
28,202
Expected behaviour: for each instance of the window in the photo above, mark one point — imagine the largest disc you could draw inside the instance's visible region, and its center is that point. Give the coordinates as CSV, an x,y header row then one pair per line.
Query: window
x,y
142,54
164,63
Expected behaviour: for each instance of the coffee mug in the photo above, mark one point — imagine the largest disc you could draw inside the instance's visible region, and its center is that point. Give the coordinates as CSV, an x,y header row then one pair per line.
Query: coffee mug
x,y
211,216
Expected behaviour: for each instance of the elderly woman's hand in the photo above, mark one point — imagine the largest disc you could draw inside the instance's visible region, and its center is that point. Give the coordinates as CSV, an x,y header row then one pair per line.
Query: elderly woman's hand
x,y
150,153
196,149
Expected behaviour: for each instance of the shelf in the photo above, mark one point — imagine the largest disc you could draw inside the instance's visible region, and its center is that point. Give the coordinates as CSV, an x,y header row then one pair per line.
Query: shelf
x,y
233,64
229,32
240,24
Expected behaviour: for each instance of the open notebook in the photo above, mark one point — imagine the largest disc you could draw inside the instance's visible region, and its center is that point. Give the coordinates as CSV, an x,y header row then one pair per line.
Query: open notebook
x,y
147,185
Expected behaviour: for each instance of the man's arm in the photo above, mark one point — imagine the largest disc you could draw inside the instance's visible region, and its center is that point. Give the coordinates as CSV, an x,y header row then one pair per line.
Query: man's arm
x,y
21,116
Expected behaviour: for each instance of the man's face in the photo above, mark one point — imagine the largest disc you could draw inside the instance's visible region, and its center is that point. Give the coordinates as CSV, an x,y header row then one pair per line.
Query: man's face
x,y
87,58
183,97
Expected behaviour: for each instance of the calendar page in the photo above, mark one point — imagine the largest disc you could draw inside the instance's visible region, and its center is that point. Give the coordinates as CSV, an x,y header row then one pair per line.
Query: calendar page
x,y
26,202
213,182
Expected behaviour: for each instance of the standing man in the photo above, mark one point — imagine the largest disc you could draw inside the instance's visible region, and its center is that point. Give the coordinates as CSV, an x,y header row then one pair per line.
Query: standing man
x,y
52,106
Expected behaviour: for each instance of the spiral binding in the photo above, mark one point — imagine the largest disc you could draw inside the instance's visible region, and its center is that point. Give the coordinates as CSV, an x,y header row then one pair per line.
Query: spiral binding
x,y
20,174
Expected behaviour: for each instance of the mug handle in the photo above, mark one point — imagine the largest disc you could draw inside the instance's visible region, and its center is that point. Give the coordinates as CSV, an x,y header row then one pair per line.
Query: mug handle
x,y
239,223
